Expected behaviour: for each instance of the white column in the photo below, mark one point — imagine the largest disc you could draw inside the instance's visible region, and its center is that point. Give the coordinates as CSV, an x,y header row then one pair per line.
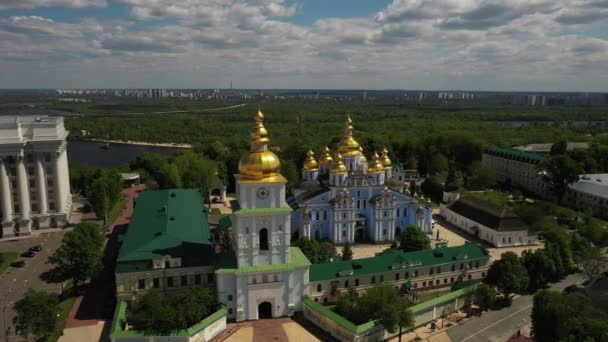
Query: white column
x,y
43,206
5,189
59,186
24,189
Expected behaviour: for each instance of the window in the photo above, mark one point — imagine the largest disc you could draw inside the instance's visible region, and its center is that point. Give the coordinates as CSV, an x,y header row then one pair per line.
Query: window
x,y
325,300
383,231
373,280
263,239
141,284
155,283
169,281
346,284
438,269
407,275
210,278
184,280
358,193
356,282
453,267
317,215
431,271
483,274
276,277
423,283
381,278
437,282
230,311
468,276
264,278
462,266
317,300
445,280
344,233
415,285
254,280
325,214
230,298
415,273
364,204
197,279
396,276
167,264
319,288
397,212
343,215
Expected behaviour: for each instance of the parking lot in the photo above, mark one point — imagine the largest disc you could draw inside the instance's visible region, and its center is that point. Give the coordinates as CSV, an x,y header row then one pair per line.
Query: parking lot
x,y
14,282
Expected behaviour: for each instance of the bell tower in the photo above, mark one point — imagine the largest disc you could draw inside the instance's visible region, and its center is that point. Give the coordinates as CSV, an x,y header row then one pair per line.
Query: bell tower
x,y
261,220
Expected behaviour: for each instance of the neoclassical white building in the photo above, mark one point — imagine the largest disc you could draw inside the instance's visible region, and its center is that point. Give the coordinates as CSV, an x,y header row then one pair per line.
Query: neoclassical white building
x,y
34,179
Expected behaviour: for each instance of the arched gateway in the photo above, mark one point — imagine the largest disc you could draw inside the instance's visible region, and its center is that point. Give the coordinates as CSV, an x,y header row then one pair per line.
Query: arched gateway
x,y
264,310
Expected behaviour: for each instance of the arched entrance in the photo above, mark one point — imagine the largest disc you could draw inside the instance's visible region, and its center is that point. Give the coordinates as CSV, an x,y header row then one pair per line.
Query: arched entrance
x,y
360,235
263,235
264,310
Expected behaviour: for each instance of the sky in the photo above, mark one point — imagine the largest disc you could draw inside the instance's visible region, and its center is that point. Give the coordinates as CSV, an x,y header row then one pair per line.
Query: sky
x,y
520,45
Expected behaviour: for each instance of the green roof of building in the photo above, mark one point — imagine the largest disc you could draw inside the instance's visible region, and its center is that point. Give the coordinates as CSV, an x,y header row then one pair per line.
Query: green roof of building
x,y
166,222
513,154
392,260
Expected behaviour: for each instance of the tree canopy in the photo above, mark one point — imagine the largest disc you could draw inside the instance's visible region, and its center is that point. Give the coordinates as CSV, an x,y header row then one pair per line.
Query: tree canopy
x,y
508,274
164,312
414,239
316,252
80,255
36,314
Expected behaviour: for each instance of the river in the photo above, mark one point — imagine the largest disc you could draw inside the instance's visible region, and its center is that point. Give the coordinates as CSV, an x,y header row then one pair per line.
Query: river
x,y
92,153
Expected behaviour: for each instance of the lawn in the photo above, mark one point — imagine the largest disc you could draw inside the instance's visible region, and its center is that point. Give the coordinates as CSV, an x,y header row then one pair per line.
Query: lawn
x,y
214,211
6,260
115,211
428,296
491,196
63,309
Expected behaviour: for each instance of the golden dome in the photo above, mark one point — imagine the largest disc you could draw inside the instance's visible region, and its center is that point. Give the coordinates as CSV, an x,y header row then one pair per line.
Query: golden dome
x,y
348,145
259,163
363,160
310,163
338,166
376,165
386,161
326,159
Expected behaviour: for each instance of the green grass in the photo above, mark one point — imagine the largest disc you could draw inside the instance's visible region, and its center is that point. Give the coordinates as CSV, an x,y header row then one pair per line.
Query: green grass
x,y
115,211
214,211
63,309
428,296
7,259
497,197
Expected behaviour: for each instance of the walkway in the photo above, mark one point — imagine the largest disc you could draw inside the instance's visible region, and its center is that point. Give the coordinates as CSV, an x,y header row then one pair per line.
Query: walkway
x,y
97,304
276,329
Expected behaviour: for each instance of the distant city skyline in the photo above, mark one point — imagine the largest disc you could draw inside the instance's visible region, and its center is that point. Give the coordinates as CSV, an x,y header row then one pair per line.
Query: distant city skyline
x,y
509,45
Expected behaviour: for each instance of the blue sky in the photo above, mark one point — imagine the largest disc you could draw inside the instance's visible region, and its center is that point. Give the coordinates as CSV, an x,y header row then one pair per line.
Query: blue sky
x,y
553,45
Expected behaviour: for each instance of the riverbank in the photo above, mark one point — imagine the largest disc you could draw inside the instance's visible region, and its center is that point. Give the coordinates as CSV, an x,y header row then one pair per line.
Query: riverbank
x,y
140,143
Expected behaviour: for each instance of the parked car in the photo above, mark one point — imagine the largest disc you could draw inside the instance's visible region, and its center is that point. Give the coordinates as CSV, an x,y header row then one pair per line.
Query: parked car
x,y
36,249
28,254
18,263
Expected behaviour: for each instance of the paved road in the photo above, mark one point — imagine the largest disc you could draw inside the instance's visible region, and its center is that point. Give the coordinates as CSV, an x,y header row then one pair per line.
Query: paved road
x,y
15,281
499,326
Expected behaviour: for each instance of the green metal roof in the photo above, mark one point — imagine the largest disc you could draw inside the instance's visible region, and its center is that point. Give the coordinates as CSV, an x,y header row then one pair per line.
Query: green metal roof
x,y
226,263
393,260
513,154
166,222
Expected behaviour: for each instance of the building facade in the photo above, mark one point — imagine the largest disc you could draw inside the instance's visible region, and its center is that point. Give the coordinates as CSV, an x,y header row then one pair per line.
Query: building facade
x,y
494,224
517,169
590,192
34,178
343,198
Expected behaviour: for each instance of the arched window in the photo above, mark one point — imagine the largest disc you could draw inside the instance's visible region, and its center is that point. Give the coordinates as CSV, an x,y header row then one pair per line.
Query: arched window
x,y
316,215
319,288
263,239
325,214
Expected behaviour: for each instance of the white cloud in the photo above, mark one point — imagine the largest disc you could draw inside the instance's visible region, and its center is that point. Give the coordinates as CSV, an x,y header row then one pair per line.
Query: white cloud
x,y
28,4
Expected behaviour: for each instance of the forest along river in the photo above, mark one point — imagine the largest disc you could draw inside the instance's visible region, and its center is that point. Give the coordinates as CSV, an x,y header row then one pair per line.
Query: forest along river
x,y
95,154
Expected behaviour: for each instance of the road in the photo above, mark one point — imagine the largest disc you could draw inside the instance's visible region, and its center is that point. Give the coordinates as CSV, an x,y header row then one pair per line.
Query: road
x,y
500,325
15,281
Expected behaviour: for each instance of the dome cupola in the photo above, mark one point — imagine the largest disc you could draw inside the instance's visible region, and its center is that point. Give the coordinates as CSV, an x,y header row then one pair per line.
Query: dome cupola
x,y
260,163
348,146
310,163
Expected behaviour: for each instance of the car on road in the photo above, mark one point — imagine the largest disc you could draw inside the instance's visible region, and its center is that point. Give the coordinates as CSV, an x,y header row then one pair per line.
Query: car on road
x,y
35,249
18,264
28,254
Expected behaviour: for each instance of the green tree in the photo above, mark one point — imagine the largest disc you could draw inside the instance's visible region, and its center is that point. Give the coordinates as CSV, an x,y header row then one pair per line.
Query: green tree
x,y
347,252
481,176
327,252
414,239
559,147
508,274
439,163
432,188
567,317
162,313
309,247
35,314
540,267
485,296
560,170
79,256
